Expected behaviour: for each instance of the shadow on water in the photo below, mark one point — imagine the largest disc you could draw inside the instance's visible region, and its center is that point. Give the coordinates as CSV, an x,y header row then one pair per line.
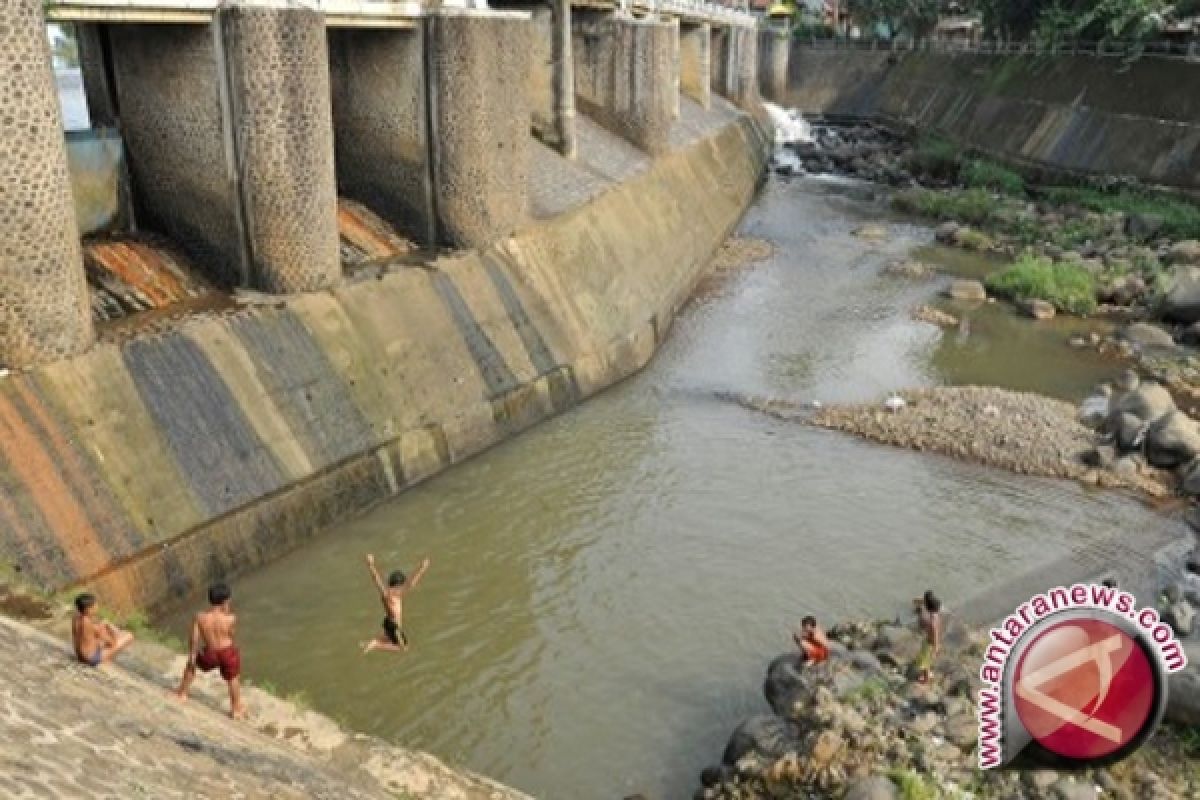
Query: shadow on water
x,y
607,588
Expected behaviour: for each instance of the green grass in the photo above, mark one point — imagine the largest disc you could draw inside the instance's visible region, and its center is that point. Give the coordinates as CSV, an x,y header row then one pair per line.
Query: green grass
x,y
137,623
1181,219
973,206
869,691
980,174
912,785
935,158
1068,287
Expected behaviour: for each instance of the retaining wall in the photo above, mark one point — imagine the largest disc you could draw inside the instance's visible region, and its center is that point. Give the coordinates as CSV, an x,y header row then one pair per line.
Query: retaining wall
x,y
1080,114
150,468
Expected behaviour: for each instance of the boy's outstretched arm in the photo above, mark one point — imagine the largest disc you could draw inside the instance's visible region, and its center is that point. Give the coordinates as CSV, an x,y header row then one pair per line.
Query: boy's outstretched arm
x,y
375,574
416,579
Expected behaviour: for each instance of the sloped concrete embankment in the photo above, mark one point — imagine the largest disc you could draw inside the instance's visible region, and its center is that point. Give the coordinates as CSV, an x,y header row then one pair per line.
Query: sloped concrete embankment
x,y
1068,113
149,468
72,731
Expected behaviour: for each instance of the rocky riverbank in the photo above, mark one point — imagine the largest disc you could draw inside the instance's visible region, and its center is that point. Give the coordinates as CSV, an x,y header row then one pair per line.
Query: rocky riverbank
x,y
858,727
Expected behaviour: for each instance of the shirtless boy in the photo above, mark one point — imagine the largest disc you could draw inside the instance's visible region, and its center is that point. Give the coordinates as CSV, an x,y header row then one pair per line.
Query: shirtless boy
x,y
812,640
210,646
96,642
929,622
392,595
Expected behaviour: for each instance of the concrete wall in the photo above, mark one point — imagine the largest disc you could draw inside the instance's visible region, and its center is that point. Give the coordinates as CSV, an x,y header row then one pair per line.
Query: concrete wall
x,y
1072,113
379,118
624,72
278,72
773,49
44,312
167,89
695,67
478,73
149,468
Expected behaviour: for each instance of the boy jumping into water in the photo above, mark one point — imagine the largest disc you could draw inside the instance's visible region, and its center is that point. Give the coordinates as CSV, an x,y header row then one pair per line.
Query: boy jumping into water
x,y
812,640
95,642
210,646
392,596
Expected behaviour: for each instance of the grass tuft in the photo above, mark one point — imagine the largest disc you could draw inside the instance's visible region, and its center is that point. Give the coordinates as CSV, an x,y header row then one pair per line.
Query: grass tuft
x,y
1181,219
980,174
1068,287
912,785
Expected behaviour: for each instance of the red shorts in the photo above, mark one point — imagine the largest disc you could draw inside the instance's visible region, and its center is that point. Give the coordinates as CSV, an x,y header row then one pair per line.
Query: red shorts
x,y
229,660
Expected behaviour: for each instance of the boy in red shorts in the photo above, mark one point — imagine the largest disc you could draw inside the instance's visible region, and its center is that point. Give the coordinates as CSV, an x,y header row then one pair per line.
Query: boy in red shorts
x,y
812,640
210,646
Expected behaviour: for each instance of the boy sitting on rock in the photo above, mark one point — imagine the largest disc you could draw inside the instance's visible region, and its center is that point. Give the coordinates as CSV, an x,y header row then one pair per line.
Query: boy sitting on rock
x,y
812,640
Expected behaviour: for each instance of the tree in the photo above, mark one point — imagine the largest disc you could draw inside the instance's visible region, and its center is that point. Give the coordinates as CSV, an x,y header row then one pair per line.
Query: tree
x,y
916,18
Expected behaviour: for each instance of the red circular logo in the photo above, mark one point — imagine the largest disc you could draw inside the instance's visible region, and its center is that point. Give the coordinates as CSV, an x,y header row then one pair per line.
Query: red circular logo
x,y
1084,688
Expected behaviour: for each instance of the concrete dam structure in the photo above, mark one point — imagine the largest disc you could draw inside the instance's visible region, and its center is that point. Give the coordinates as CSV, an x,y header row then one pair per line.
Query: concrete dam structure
x,y
208,442
1065,113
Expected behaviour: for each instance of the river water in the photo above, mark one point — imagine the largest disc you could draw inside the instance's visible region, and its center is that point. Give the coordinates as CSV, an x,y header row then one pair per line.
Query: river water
x,y
607,588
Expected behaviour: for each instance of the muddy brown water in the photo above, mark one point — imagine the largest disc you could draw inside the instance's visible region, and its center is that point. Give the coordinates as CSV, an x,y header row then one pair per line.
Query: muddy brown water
x,y
607,588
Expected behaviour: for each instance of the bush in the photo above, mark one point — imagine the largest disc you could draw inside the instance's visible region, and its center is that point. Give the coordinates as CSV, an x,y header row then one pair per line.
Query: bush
x,y
973,206
1068,287
912,785
979,174
1181,219
935,158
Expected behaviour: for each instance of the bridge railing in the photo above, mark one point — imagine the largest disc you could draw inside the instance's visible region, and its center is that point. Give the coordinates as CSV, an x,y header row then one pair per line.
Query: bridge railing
x,y
1182,51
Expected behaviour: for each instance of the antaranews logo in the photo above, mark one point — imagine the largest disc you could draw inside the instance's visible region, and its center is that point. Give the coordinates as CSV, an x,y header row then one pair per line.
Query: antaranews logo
x,y
1075,676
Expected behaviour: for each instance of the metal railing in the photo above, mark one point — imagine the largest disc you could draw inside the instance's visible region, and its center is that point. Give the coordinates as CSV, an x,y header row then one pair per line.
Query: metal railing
x,y
1180,51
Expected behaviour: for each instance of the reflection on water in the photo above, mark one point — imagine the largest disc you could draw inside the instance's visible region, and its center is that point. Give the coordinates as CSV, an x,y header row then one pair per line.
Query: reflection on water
x,y
606,588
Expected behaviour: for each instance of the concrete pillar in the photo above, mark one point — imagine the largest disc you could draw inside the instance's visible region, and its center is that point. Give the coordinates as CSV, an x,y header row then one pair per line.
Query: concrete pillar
x,y
739,71
379,122
623,76
676,69
564,80
773,48
478,66
695,70
229,141
93,63
277,62
45,313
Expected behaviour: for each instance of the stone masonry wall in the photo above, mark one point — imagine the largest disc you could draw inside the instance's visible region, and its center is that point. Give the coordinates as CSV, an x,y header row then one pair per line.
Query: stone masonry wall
x,y
1078,114
283,130
170,108
624,72
147,469
695,70
44,312
478,74
379,119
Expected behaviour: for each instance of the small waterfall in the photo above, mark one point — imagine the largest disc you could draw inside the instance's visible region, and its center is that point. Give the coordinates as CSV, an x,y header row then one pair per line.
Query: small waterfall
x,y
790,127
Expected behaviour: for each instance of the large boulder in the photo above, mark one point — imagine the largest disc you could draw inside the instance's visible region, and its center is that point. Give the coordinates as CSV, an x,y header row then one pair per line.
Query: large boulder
x,y
766,735
1172,440
1181,300
1145,335
1148,401
1183,689
789,678
1185,252
875,787
966,290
